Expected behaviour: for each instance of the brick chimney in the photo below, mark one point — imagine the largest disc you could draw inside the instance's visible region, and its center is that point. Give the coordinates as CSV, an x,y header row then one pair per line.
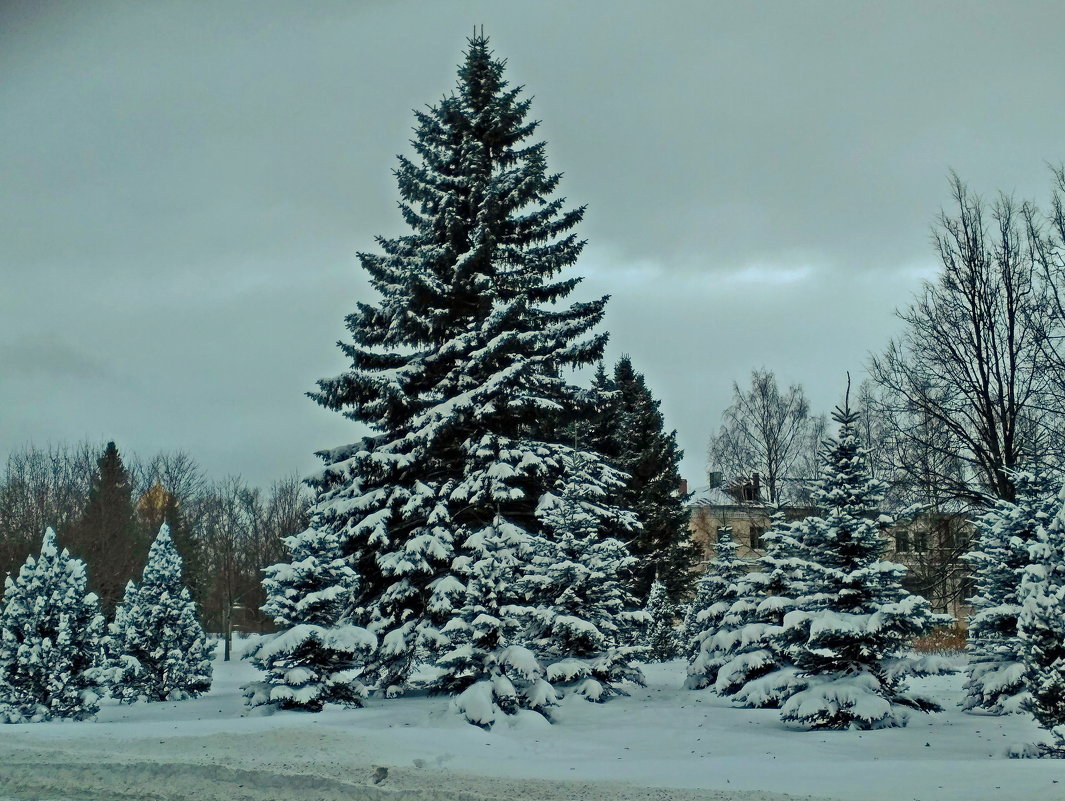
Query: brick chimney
x,y
684,486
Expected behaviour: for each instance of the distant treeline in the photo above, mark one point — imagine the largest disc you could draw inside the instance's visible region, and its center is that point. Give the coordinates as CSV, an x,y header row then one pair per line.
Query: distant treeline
x,y
107,508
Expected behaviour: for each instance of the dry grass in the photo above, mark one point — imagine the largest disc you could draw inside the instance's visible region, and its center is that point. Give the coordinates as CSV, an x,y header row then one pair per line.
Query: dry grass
x,y
943,640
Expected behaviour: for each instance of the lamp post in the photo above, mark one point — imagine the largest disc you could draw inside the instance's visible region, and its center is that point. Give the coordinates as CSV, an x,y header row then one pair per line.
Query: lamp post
x,y
227,625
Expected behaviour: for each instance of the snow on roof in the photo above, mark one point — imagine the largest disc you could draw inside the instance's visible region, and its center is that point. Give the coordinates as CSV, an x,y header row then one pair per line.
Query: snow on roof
x,y
712,496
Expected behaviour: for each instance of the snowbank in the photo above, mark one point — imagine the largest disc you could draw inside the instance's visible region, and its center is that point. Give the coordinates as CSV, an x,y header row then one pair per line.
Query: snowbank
x,y
662,742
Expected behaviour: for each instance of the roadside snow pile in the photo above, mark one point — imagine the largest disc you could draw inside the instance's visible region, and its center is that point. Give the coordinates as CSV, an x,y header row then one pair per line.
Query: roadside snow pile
x,y
661,742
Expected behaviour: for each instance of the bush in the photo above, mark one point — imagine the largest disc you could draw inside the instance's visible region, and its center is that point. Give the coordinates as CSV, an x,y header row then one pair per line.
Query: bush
x,y
942,640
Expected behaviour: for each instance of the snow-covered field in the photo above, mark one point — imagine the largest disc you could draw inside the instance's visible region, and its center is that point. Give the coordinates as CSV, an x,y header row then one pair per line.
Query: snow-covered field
x,y
662,742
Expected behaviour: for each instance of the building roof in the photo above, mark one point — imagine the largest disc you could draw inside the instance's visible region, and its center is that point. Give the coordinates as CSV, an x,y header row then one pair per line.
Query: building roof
x,y
715,496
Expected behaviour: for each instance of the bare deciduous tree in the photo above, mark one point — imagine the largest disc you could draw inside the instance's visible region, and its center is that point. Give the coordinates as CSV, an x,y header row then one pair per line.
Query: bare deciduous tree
x,y
968,384
934,553
1047,235
771,433
228,531
176,471
41,488
241,533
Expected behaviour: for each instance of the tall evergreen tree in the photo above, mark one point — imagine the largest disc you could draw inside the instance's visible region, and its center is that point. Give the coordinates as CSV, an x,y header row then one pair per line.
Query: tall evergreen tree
x,y
318,654
160,649
995,682
626,427
457,367
51,658
1041,626
597,431
108,537
849,634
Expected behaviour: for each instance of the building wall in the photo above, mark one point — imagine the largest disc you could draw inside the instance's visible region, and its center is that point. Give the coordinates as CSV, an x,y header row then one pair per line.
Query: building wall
x,y
931,547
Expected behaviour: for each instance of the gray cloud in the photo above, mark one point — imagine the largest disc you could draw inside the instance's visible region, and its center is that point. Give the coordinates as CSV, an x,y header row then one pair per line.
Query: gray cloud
x,y
48,356
184,186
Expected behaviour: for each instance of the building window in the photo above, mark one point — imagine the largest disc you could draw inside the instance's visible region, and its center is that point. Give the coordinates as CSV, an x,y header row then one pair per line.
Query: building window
x,y
756,537
920,540
902,540
966,588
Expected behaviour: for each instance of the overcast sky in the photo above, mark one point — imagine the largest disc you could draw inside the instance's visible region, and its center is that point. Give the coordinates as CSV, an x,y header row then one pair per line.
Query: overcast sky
x,y
184,186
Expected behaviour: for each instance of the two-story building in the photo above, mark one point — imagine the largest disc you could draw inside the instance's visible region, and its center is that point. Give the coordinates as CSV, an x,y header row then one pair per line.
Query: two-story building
x,y
931,546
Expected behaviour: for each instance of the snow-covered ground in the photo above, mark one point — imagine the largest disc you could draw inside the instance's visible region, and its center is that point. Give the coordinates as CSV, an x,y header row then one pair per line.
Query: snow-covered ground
x,y
662,742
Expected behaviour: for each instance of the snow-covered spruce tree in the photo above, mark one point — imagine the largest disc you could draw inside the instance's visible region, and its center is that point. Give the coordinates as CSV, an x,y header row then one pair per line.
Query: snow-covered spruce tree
x,y
580,629
317,655
158,506
849,634
660,638
487,668
750,669
995,682
597,432
51,658
159,649
719,588
517,633
707,590
629,431
1041,627
458,368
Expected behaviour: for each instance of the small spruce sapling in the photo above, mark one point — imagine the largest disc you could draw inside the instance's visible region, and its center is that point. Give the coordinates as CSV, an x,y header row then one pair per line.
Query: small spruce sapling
x,y
706,591
752,671
721,586
1041,626
578,628
661,636
488,669
995,682
159,649
850,634
317,656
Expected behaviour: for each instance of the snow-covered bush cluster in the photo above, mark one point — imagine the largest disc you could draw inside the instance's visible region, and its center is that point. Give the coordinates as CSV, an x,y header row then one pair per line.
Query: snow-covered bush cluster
x,y
58,656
